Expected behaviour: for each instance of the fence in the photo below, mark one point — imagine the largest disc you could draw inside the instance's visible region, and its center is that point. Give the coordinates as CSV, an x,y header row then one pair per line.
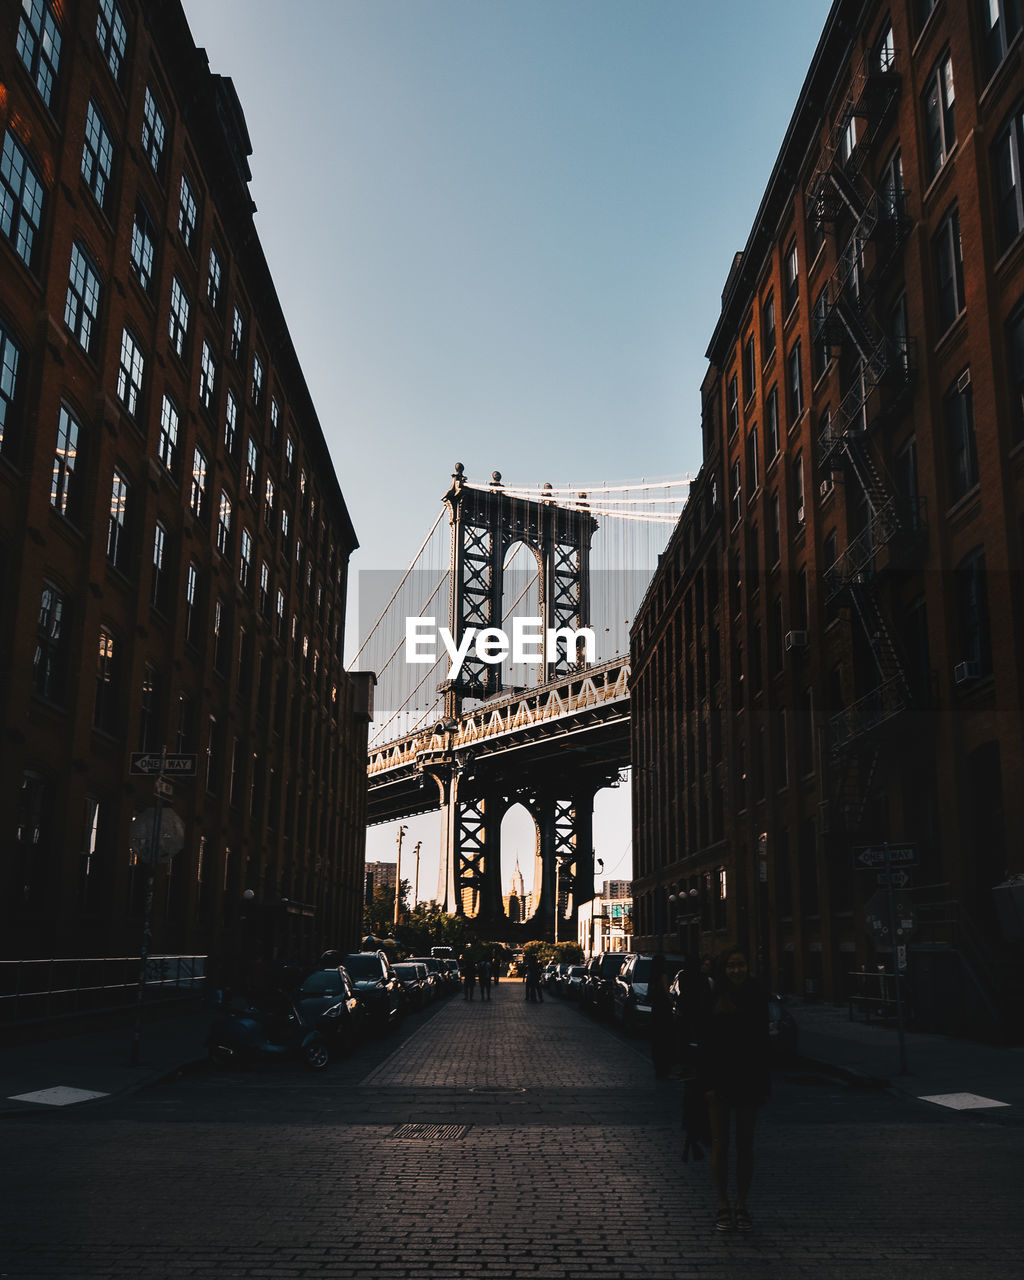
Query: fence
x,y
33,990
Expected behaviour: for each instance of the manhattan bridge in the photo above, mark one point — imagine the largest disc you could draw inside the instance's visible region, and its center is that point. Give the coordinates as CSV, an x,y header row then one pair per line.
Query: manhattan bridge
x,y
475,739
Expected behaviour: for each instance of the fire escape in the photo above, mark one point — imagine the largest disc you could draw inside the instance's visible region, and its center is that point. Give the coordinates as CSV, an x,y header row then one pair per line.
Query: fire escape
x,y
872,224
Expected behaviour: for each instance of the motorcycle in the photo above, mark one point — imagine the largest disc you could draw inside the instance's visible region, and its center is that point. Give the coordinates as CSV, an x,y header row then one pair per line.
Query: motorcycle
x,y
273,1029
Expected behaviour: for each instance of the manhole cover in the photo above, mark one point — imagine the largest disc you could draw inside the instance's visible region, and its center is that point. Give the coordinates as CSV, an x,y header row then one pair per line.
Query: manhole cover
x,y
442,1132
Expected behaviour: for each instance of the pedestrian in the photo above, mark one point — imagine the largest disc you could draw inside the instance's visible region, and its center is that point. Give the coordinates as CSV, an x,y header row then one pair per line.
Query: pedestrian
x,y
735,1077
468,968
532,979
662,1021
484,974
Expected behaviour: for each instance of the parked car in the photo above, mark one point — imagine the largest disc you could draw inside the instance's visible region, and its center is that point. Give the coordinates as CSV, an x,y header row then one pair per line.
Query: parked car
x,y
416,982
630,1001
573,981
328,1000
437,974
377,986
549,976
596,990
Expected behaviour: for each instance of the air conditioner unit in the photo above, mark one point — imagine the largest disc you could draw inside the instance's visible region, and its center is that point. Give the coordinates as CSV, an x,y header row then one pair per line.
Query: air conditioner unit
x,y
796,640
825,488
965,672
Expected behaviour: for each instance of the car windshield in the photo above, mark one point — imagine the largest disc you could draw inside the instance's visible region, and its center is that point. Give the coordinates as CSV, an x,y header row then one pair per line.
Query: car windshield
x,y
577,971
407,970
326,983
642,968
363,968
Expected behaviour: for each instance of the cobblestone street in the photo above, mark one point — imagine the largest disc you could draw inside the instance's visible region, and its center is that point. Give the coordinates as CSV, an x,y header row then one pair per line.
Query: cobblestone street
x,y
545,1148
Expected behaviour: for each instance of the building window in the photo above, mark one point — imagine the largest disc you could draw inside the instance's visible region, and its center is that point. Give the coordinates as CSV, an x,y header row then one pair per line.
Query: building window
x,y
949,270
279,615
142,252
207,377
899,333
752,463
221,631
64,488
733,406
820,349
105,712
799,510
130,370
884,56
792,276
224,524
794,386
736,495
112,36
230,424
257,381
237,332
275,424
774,531
768,328
284,528
892,196
177,323
21,199
771,424
1008,155
197,493
82,307
268,503
39,43
289,458
1000,22
150,736
49,661
97,155
117,526
160,587
10,358
192,602
245,560
252,463
1015,343
848,139
154,132
213,279
972,611
939,116
188,214
748,368
167,447
962,451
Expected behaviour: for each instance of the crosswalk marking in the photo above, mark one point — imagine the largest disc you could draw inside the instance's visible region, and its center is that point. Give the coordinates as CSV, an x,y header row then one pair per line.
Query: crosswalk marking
x,y
61,1095
961,1101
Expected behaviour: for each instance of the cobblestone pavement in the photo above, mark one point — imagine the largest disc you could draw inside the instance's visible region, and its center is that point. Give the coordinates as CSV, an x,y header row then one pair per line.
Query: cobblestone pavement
x,y
543,1148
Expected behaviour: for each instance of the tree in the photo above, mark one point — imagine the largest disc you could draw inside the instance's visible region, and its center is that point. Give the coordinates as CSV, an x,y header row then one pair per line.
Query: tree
x,y
379,915
568,953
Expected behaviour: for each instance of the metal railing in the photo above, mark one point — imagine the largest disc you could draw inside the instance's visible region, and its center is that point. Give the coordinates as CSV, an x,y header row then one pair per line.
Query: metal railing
x,y
32,990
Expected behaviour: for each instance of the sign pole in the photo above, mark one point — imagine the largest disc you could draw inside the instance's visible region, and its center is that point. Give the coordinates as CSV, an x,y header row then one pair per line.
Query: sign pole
x,y
891,895
147,927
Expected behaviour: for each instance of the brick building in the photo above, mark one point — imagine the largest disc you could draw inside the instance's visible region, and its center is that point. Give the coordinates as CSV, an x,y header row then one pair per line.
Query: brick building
x,y
830,655
174,543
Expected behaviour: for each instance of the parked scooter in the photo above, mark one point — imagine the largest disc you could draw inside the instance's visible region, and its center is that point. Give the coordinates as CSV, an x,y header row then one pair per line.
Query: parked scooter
x,y
275,1028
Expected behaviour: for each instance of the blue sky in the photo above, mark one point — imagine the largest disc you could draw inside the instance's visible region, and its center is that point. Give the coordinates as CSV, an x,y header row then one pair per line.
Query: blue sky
x,y
500,230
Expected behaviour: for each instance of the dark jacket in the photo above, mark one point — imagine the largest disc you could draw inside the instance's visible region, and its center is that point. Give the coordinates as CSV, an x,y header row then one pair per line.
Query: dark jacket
x,y
732,1043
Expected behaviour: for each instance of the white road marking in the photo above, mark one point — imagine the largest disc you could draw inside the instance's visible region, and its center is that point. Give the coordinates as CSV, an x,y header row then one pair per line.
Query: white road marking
x,y
962,1101
61,1095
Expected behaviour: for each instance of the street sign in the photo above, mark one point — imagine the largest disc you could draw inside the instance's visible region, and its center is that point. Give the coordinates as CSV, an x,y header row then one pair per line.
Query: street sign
x,y
163,789
874,855
898,878
150,762
156,836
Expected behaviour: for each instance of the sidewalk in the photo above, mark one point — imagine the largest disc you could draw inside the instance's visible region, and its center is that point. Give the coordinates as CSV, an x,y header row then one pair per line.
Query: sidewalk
x,y
936,1065
99,1062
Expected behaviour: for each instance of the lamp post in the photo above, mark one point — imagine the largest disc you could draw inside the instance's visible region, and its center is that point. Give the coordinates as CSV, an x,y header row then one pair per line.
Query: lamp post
x,y
398,871
416,882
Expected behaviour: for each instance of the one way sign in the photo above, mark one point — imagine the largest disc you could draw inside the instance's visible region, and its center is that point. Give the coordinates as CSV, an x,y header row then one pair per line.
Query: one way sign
x,y
872,855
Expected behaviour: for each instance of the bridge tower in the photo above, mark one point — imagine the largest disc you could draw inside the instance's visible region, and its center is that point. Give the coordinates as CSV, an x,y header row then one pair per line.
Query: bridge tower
x,y
485,525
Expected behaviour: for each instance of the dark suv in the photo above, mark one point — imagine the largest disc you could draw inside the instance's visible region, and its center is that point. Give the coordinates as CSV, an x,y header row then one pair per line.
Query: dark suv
x,y
632,1004
377,986
596,992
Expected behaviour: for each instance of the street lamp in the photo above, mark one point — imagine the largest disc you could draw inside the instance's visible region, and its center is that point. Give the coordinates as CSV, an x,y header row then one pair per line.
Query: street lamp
x,y
398,871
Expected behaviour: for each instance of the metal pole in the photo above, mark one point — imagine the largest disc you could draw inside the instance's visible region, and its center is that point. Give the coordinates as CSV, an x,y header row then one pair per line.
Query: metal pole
x,y
147,930
890,894
398,872
416,882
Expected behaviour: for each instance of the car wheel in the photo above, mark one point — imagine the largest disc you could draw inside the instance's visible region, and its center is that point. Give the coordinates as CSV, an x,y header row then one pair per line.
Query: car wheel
x,y
317,1055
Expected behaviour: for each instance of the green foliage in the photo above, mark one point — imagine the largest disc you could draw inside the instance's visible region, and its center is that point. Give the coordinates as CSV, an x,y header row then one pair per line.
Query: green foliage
x,y
379,915
428,926
568,953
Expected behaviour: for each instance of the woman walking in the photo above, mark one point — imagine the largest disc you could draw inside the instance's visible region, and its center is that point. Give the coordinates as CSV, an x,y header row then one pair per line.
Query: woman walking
x,y
734,1071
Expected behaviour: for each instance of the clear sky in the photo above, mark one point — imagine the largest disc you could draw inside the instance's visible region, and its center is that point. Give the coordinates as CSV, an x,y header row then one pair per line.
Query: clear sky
x,y
500,230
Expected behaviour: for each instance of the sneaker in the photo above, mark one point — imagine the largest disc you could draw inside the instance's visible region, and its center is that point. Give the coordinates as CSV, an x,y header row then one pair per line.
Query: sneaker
x,y
743,1222
723,1222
